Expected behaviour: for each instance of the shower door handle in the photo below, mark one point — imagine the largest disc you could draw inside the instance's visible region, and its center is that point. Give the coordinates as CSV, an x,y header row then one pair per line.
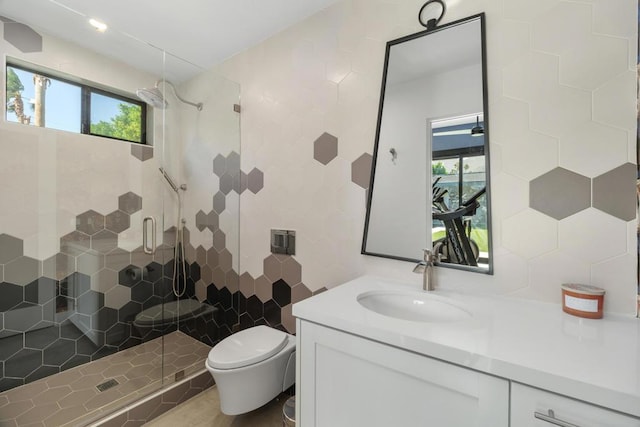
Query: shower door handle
x,y
149,249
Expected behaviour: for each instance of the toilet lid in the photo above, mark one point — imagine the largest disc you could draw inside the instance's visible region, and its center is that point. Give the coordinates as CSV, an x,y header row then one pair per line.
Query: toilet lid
x,y
247,347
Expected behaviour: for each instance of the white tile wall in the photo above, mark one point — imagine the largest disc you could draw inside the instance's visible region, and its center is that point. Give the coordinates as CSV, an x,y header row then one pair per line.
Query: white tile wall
x,y
561,94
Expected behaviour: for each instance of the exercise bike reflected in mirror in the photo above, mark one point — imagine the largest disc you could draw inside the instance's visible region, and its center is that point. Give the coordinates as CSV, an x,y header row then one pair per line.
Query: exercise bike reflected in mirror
x,y
458,245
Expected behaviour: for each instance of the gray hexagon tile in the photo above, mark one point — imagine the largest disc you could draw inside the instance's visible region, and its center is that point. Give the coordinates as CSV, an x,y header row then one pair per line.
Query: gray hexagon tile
x,y
247,284
201,255
139,258
22,37
58,266
325,148
104,241
300,292
614,192
117,259
226,183
219,165
233,163
219,240
291,271
104,280
141,152
361,170
22,270
212,257
226,260
255,180
240,182
10,248
75,243
201,220
560,193
90,222
219,202
213,222
117,221
130,203
272,268
90,262
219,277
233,281
263,288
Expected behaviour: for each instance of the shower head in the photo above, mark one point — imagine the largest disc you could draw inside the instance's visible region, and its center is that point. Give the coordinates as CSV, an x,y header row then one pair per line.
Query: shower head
x,y
155,98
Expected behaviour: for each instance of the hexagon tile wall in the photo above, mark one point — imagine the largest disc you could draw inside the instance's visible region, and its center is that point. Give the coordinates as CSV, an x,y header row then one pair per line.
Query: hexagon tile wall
x,y
562,109
79,304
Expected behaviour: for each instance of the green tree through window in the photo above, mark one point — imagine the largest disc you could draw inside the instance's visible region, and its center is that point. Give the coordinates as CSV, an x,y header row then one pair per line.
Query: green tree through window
x,y
72,106
125,125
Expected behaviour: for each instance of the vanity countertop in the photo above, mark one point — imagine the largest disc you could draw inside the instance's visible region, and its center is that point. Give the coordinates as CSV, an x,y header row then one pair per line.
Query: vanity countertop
x,y
534,343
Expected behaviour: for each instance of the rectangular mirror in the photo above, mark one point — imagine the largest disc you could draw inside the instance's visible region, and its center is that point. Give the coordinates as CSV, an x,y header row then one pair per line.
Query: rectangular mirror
x,y
430,177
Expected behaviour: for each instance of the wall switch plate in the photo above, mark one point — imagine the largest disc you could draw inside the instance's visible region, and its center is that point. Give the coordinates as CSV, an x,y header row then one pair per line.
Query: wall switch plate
x,y
283,242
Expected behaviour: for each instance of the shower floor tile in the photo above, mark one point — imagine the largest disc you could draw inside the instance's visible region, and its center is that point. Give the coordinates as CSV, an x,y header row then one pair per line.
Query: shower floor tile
x,y
72,397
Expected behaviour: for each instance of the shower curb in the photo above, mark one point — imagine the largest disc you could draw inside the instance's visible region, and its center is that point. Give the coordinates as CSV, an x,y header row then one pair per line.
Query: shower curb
x,y
156,404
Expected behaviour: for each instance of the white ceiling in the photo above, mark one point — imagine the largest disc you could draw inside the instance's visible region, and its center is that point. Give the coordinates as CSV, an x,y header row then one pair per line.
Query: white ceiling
x,y
201,32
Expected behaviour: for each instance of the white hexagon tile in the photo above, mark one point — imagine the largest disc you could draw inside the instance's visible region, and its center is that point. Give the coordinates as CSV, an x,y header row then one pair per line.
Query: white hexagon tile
x,y
530,233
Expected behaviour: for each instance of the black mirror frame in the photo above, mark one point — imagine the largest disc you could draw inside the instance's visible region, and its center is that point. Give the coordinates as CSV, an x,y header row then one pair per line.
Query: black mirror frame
x,y
485,106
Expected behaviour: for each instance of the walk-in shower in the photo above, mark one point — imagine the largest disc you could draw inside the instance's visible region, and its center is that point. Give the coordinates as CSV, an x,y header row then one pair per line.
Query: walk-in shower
x,y
90,323
177,307
154,96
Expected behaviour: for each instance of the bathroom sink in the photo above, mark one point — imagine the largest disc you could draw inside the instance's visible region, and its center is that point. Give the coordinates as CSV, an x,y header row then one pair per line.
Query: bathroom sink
x,y
415,306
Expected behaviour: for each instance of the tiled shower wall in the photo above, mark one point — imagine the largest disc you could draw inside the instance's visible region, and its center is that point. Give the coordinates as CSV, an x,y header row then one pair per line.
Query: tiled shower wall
x,y
562,93
73,274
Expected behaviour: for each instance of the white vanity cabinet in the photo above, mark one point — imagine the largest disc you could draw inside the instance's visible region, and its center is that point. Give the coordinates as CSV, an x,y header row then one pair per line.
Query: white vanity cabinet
x,y
530,408
357,367
346,380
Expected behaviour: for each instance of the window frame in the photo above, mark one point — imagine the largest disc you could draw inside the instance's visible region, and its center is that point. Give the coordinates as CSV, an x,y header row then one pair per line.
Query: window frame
x,y
86,89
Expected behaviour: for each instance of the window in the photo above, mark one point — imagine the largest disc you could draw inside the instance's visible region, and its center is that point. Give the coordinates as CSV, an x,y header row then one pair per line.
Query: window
x,y
42,99
459,166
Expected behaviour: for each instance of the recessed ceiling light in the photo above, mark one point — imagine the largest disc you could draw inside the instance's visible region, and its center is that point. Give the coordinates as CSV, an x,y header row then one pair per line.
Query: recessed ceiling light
x,y
98,25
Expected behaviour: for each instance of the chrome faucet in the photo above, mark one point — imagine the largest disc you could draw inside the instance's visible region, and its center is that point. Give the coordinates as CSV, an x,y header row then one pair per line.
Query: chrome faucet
x,y
426,268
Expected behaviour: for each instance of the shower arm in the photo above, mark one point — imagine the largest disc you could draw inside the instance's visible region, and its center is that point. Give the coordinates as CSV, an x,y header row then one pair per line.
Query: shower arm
x,y
167,82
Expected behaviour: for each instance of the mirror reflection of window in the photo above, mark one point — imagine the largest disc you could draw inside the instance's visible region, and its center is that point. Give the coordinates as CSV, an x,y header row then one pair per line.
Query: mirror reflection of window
x,y
458,169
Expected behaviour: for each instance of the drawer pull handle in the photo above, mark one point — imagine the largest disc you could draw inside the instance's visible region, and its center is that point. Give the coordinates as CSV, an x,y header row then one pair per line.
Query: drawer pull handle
x,y
551,419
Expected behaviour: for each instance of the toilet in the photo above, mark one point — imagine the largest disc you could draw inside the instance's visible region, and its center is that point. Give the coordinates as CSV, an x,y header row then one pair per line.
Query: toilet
x,y
251,367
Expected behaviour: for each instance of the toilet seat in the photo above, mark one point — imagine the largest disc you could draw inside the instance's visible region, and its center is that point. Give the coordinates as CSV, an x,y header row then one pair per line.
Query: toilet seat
x,y
247,347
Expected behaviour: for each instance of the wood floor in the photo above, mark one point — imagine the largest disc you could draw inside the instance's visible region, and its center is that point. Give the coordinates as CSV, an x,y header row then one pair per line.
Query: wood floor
x,y
204,410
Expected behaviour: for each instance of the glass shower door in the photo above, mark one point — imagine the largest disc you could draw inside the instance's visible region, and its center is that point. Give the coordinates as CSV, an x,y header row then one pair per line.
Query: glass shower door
x,y
75,272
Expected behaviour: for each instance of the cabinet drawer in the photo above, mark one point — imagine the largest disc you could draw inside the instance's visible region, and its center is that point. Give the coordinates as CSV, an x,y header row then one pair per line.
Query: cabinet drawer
x,y
526,402
348,381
